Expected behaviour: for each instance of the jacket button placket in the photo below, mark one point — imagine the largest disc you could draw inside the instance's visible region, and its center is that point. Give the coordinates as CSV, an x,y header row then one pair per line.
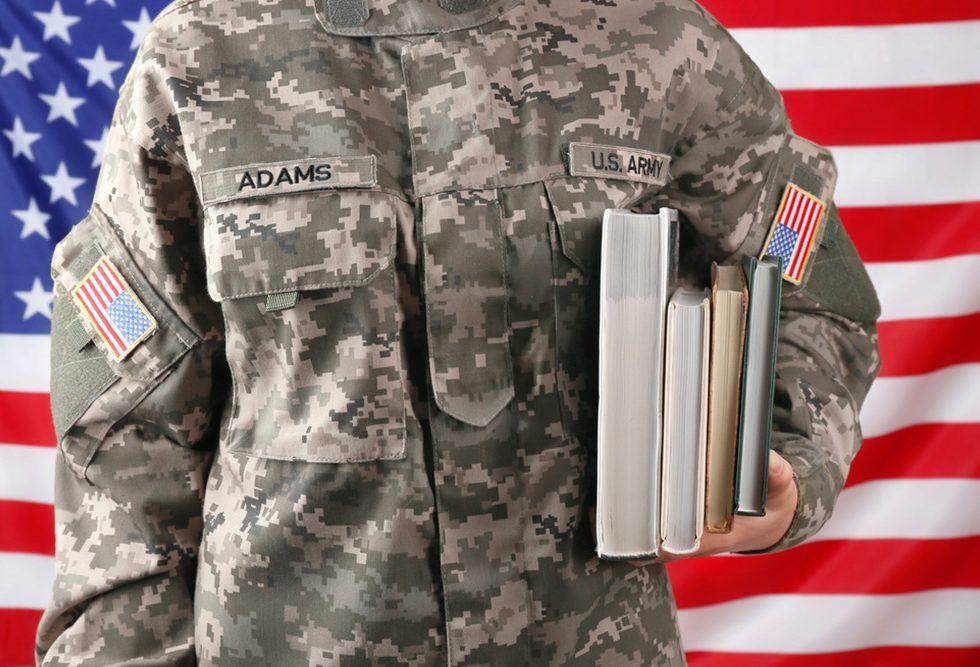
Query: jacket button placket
x,y
481,504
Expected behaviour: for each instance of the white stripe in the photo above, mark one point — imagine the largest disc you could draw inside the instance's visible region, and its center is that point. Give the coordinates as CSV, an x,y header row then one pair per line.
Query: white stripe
x,y
892,56
806,229
908,174
830,623
112,279
950,395
25,363
108,284
930,288
794,206
97,289
815,209
27,473
908,509
25,580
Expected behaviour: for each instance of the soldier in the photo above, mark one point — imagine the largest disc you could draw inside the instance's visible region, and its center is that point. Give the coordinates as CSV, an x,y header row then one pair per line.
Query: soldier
x,y
324,349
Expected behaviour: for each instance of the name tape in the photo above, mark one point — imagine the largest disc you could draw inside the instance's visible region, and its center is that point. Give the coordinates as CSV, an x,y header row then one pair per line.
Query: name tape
x,y
260,180
617,162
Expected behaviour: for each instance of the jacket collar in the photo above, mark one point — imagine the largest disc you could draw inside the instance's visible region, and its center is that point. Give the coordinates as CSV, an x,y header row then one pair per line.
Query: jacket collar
x,y
406,17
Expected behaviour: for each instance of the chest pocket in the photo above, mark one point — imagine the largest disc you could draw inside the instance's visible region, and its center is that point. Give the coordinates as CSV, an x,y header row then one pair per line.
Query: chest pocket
x,y
577,205
308,289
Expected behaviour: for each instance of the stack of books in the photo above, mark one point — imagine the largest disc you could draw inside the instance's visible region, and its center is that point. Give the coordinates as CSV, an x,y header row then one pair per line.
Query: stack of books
x,y
686,382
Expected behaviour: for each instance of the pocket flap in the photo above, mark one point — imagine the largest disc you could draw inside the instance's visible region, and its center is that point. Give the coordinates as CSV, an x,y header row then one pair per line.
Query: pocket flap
x,y
578,204
300,241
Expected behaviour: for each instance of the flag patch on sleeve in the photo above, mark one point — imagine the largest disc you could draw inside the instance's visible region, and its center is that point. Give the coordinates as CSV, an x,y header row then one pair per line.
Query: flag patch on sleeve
x,y
793,230
115,311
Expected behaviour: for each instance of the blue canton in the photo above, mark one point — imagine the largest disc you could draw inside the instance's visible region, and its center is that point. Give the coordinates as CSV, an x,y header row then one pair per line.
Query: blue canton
x,y
783,243
128,318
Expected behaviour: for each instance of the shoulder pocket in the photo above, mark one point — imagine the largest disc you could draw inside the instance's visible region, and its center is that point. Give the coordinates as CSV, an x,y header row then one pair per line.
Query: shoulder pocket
x,y
308,288
83,367
838,281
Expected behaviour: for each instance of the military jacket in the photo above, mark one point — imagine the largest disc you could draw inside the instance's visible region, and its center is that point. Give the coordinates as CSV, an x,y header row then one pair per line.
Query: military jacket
x,y
355,420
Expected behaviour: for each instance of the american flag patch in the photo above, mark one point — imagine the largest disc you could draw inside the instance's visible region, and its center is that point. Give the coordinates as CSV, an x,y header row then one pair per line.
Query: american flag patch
x,y
114,309
792,232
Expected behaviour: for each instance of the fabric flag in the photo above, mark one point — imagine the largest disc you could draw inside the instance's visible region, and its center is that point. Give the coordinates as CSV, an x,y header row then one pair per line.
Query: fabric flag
x,y
791,236
113,309
891,87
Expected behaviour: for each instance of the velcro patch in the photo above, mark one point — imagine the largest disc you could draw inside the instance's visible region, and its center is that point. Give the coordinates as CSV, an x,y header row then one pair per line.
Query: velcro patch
x,y
290,176
793,230
617,162
116,313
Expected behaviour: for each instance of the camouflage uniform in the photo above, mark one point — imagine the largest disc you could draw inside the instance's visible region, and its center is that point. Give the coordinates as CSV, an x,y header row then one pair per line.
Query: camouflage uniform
x,y
364,429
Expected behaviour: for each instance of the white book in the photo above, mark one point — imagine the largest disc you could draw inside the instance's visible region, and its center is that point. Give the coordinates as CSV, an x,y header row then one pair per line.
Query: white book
x,y
685,421
638,269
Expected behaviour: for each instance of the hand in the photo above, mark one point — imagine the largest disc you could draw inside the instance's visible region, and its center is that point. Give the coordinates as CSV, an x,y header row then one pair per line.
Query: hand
x,y
749,533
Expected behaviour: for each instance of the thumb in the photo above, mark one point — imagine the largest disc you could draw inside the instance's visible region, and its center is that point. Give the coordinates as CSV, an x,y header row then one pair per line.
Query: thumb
x,y
780,472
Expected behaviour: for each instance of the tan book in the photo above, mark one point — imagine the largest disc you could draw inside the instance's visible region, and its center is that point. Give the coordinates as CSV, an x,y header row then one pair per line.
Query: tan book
x,y
729,309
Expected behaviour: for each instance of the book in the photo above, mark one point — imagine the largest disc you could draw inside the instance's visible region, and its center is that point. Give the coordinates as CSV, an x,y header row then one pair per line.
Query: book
x,y
729,307
764,280
685,421
638,270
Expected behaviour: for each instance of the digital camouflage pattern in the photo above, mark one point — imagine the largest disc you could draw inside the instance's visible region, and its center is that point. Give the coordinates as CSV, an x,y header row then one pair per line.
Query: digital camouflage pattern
x,y
365,430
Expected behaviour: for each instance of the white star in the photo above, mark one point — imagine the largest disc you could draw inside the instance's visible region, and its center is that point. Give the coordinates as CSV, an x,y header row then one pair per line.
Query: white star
x,y
62,104
111,3
35,220
56,23
17,59
63,185
98,147
99,69
138,28
38,300
22,139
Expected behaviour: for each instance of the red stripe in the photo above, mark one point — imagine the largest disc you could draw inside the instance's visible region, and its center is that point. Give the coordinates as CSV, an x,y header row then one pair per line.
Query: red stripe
x,y
805,229
782,14
17,628
856,567
887,656
914,347
108,278
29,527
814,210
94,289
864,117
904,233
113,278
100,321
795,202
25,419
104,283
924,451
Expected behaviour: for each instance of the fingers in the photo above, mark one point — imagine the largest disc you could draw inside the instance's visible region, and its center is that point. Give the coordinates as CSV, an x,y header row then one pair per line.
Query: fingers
x,y
780,472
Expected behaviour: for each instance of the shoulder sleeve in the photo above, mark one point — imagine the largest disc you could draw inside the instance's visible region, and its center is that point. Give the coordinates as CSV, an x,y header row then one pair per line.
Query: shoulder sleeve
x,y
735,155
137,384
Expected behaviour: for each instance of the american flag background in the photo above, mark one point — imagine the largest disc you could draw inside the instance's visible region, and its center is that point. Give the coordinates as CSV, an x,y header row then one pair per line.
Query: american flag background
x,y
892,86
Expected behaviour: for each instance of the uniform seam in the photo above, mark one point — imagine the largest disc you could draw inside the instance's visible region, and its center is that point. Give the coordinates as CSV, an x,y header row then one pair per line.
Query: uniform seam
x,y
177,6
